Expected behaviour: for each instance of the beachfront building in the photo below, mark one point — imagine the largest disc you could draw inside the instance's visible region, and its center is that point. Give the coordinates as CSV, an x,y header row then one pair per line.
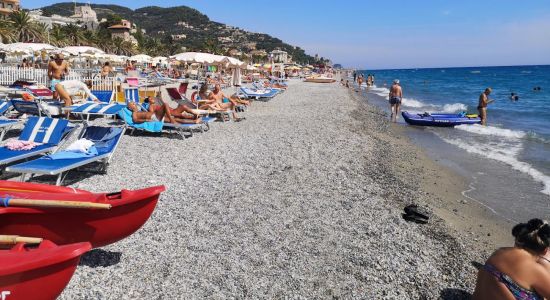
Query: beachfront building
x,y
122,31
7,7
279,56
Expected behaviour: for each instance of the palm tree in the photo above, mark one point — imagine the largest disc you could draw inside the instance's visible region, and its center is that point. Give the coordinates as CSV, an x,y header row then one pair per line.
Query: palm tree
x,y
74,34
57,36
6,32
122,47
23,26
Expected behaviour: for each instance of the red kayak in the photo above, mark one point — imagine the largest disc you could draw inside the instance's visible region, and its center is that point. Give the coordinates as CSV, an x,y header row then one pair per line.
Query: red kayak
x,y
38,272
129,211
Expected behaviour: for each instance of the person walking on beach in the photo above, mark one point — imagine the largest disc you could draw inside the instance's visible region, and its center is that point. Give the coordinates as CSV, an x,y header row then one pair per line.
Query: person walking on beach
x,y
521,271
360,82
395,96
482,106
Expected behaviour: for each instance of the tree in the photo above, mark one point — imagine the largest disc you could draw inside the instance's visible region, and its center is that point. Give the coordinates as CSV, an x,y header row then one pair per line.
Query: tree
x,y
25,29
74,34
6,32
57,36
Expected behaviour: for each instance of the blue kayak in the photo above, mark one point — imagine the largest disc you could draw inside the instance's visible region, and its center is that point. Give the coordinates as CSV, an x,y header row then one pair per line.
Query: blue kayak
x,y
440,120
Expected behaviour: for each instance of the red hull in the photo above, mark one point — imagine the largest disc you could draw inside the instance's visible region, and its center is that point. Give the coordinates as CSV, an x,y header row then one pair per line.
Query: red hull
x,y
130,210
38,273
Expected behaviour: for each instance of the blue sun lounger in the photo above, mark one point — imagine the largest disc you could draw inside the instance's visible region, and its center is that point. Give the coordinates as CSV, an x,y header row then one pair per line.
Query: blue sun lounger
x,y
126,115
5,106
49,132
258,94
5,125
32,108
106,140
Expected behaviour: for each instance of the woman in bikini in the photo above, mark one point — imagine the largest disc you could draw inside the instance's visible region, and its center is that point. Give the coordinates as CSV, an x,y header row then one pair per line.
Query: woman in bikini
x,y
519,272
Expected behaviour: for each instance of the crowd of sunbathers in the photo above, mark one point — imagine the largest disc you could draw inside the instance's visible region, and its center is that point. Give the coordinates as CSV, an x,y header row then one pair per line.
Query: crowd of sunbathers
x,y
189,112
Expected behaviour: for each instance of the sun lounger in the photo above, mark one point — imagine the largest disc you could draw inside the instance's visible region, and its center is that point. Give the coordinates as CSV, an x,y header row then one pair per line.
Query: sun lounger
x,y
258,93
5,106
106,140
30,108
158,126
49,132
104,96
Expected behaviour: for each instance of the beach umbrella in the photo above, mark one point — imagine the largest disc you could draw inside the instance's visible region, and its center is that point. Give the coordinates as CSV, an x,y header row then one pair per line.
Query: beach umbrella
x,y
235,63
199,57
26,48
80,50
141,58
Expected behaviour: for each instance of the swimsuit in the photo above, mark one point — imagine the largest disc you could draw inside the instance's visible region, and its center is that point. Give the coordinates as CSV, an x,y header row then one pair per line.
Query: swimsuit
x,y
519,292
395,100
53,83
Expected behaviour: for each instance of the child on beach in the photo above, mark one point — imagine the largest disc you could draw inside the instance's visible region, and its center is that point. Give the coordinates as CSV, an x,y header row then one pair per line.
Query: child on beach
x,y
519,272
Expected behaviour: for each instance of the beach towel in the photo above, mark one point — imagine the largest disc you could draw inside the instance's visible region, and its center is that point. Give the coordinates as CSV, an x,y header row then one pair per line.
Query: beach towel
x,y
70,154
14,144
126,115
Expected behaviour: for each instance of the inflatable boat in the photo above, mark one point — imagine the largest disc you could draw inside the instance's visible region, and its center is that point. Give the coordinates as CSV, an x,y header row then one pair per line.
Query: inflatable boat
x,y
440,120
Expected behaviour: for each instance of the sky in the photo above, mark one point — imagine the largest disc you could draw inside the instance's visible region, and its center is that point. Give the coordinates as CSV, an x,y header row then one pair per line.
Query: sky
x,y
386,35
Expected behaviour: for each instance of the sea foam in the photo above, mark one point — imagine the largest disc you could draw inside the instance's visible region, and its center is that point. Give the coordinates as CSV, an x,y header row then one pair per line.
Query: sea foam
x,y
503,152
492,131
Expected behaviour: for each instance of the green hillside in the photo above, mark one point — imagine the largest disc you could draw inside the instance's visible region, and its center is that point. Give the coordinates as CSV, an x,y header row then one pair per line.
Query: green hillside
x,y
201,33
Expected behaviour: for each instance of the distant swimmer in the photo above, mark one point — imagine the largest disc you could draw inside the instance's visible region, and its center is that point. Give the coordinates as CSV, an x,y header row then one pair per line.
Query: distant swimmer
x,y
396,94
537,88
514,97
482,106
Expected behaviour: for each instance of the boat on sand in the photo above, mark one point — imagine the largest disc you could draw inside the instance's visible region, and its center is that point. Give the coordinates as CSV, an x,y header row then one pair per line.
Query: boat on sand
x,y
65,215
37,272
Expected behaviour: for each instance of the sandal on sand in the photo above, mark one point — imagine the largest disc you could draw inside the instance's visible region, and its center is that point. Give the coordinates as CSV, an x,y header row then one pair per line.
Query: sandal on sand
x,y
415,219
413,214
240,119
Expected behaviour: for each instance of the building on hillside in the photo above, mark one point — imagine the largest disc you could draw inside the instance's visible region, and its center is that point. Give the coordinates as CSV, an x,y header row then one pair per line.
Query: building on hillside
x,y
37,16
86,17
83,16
279,56
122,31
7,7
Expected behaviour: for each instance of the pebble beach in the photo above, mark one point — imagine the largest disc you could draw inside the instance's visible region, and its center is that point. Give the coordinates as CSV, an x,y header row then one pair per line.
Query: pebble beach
x,y
302,200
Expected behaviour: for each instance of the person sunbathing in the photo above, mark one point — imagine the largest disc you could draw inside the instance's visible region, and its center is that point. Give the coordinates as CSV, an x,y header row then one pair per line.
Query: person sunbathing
x,y
223,102
519,272
159,113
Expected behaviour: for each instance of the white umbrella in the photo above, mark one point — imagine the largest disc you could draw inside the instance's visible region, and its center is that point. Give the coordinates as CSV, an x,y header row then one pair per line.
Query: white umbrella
x,y
198,57
142,58
25,48
78,50
235,63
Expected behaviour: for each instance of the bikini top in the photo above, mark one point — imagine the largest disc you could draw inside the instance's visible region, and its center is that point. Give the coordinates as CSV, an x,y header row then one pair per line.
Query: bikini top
x,y
519,292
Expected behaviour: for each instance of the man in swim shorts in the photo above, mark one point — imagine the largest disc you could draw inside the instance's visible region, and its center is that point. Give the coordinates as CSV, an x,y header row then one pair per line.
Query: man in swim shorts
x,y
482,106
57,69
395,96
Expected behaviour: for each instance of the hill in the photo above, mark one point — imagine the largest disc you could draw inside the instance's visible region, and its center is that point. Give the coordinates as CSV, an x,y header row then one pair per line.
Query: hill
x,y
189,28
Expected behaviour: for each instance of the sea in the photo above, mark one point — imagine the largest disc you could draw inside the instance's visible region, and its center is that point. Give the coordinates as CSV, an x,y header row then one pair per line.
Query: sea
x,y
508,161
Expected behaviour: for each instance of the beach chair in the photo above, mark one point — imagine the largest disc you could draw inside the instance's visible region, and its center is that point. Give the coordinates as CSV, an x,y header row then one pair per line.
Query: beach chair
x,y
34,108
46,131
258,93
106,140
5,106
5,125
104,96
156,127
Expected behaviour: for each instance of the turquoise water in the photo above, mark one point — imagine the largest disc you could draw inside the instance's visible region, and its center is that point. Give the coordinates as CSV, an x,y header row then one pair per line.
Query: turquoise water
x,y
518,134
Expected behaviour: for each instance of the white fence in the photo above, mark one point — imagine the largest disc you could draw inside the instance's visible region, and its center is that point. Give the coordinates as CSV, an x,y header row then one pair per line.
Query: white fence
x,y
9,75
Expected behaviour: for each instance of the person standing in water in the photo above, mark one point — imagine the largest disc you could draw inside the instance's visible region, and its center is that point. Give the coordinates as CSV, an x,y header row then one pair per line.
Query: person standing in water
x,y
396,94
482,106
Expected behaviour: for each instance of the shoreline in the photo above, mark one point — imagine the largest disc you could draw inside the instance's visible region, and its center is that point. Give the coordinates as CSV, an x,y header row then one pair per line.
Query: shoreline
x,y
296,201
448,190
